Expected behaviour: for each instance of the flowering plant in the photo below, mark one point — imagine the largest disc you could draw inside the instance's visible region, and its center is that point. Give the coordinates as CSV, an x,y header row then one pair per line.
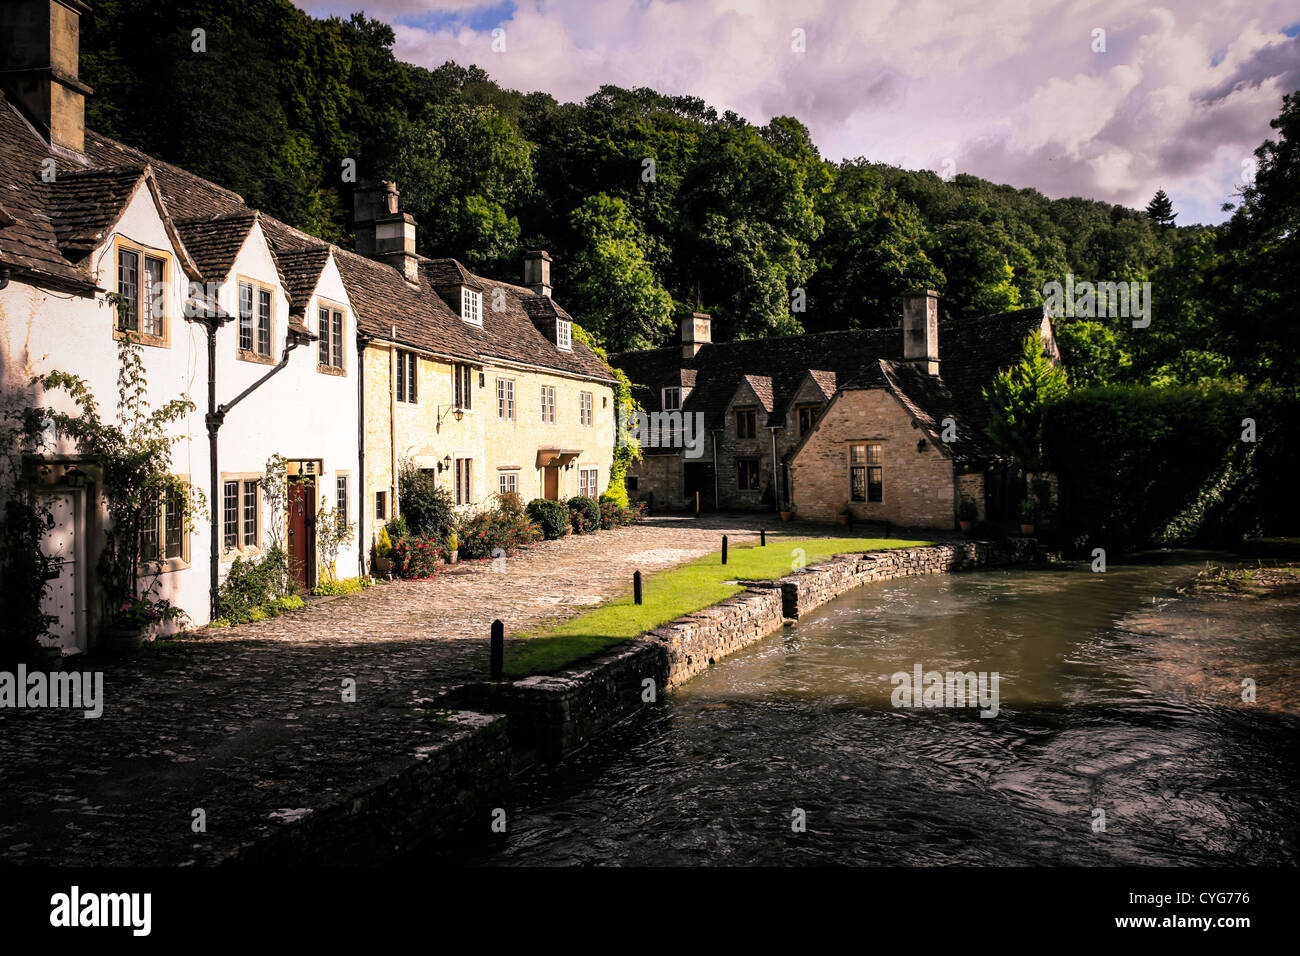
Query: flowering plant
x,y
143,613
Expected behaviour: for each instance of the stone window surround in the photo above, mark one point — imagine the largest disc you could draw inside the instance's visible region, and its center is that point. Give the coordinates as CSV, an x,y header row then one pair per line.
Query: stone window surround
x,y
866,467
179,563
342,369
241,550
245,355
121,243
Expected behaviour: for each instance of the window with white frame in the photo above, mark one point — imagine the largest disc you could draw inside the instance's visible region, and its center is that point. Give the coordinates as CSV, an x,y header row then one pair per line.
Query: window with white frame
x,y
250,514
254,321
341,497
672,399
548,403
586,408
507,482
587,482
564,335
471,306
506,399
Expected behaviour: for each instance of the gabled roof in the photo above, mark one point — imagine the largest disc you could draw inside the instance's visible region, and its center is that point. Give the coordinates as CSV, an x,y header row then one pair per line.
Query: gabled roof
x,y
86,203
761,386
971,352
302,270
215,241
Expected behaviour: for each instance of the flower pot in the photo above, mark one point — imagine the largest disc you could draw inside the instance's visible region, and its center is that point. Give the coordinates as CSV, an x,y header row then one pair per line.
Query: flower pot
x,y
124,639
1026,529
452,557
785,515
844,519
383,565
965,525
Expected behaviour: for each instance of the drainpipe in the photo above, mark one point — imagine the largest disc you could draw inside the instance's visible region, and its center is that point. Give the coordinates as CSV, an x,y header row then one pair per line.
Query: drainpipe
x,y
717,505
214,419
392,421
362,342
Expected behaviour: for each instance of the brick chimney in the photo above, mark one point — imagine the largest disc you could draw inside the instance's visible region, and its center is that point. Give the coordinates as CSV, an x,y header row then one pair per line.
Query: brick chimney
x,y
383,233
39,60
921,330
697,332
537,271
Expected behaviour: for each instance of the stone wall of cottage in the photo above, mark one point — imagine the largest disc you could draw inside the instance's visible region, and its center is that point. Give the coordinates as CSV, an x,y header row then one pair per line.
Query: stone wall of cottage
x,y
919,486
428,430
971,485
658,482
732,448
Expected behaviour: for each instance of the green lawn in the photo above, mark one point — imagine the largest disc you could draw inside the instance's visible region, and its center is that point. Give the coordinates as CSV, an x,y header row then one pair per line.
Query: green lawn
x,y
670,594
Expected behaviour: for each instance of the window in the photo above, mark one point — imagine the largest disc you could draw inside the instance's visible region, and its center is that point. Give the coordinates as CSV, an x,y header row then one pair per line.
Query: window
x,y
586,408
672,399
506,399
162,532
330,329
747,474
341,497
463,379
230,516
746,422
250,514
507,482
471,306
254,321
407,380
587,482
865,473
548,403
381,505
463,483
808,415
144,292
564,335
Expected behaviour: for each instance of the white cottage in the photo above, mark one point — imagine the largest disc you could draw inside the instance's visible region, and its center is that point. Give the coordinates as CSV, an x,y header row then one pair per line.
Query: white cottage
x,y
264,343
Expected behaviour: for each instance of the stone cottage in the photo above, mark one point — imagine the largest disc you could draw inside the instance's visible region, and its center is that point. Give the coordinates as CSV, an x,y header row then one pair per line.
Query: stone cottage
x,y
872,420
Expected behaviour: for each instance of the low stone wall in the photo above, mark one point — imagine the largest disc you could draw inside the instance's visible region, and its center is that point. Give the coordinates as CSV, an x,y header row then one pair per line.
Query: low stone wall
x,y
550,715
425,800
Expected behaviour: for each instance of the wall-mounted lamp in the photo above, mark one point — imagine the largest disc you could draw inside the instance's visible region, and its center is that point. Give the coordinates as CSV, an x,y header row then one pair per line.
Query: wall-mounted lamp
x,y
454,410
75,477
445,463
920,446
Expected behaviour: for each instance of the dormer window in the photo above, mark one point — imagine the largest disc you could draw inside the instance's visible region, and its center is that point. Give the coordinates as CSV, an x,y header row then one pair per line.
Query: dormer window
x,y
564,335
471,306
672,399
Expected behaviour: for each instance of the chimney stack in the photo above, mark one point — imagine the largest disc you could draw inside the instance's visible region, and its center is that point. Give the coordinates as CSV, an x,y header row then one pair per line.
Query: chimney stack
x,y
697,332
537,271
383,233
39,61
921,330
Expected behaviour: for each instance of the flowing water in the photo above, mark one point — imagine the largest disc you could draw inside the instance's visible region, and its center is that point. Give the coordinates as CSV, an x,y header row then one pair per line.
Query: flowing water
x,y
1116,695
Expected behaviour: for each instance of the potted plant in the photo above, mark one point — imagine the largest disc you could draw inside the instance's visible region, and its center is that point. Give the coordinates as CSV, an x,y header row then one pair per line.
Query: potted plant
x,y
845,511
787,511
968,513
134,617
383,552
453,545
1026,511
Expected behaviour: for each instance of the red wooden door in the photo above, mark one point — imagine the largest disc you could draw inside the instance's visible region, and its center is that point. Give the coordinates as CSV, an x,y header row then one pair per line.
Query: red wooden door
x,y
302,528
552,476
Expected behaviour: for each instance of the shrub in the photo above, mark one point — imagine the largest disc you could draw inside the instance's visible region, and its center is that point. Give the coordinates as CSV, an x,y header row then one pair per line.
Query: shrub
x,y
251,584
584,514
397,528
482,535
267,609
416,557
345,586
551,516
614,516
428,509
968,509
509,503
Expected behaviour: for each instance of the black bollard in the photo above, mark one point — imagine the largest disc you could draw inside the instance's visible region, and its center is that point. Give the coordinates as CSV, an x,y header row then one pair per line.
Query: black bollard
x,y
498,649
886,529
850,520
636,587
762,538
724,549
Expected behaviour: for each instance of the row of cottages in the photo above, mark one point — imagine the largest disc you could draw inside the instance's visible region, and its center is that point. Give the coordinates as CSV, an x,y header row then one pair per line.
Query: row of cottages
x,y
866,419
345,364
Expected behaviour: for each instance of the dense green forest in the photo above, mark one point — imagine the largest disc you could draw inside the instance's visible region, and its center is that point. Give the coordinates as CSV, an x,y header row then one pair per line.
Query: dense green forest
x,y
656,205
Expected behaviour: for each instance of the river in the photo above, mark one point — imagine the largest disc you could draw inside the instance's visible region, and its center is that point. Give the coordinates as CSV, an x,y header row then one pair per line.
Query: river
x,y
1121,737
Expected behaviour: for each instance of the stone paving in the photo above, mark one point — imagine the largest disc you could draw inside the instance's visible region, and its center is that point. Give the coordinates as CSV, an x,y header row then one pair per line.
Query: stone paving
x,y
248,722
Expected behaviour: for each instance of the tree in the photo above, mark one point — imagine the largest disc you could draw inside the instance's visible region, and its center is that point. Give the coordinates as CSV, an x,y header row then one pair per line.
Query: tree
x,y
1018,398
1160,210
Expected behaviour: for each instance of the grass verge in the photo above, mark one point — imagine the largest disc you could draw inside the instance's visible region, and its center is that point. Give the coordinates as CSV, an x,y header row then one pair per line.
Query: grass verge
x,y
671,593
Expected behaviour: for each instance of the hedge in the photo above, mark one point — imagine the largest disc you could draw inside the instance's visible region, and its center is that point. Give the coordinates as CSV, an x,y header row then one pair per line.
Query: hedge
x,y
584,514
551,516
1141,466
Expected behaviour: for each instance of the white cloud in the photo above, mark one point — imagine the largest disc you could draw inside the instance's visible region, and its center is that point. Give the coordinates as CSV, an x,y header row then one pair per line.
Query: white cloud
x,y
1010,90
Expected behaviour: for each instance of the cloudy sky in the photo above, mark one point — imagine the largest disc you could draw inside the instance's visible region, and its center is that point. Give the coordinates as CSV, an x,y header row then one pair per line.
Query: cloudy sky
x,y
1105,99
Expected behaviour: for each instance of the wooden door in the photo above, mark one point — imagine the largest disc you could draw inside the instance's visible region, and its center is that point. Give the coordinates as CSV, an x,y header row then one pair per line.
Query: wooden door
x,y
302,533
65,594
552,477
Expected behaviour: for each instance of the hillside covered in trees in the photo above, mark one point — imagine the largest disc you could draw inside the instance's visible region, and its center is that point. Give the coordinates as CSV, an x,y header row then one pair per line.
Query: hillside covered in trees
x,y
656,205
